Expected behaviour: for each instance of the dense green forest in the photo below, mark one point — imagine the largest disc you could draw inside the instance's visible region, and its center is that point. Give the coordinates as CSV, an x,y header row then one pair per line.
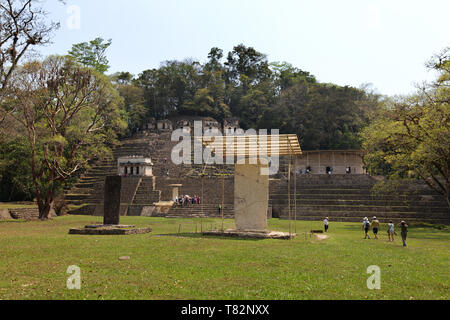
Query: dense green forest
x,y
261,94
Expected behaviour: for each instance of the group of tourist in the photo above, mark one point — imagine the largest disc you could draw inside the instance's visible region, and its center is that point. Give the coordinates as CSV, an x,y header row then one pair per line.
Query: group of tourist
x,y
186,200
307,171
375,226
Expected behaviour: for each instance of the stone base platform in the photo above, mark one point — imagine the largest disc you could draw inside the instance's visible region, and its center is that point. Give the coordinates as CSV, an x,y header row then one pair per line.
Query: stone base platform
x,y
251,234
109,230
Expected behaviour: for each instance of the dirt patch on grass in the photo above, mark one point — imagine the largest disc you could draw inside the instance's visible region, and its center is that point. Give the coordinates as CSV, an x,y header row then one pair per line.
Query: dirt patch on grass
x,y
321,237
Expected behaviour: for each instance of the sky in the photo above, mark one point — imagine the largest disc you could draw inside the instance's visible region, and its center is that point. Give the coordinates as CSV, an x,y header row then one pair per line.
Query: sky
x,y
346,42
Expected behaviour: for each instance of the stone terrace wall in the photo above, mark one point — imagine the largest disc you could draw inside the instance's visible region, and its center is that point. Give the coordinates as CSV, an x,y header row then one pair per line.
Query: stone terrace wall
x,y
350,198
193,186
28,214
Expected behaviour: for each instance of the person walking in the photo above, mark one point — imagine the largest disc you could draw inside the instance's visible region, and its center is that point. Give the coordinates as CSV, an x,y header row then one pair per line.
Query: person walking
x,y
326,224
366,227
404,233
391,231
375,227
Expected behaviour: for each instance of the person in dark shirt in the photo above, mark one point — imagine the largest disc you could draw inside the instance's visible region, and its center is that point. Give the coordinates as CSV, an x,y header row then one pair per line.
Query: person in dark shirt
x,y
366,227
404,228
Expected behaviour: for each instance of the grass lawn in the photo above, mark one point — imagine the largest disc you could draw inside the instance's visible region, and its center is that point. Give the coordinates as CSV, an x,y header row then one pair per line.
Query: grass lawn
x,y
12,205
164,265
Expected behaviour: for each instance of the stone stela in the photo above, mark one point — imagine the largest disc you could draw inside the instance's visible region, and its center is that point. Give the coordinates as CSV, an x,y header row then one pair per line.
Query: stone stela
x,y
113,187
251,186
111,215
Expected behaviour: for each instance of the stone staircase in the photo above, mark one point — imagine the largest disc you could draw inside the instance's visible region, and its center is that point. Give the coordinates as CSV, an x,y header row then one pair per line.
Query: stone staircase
x,y
201,211
86,197
87,193
146,194
350,198
24,214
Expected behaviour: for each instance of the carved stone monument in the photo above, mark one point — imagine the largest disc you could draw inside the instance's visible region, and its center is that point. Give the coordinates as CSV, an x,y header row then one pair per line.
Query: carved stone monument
x,y
113,186
251,198
251,180
111,215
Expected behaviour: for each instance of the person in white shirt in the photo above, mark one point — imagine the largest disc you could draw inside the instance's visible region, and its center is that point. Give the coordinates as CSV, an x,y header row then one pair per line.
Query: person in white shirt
x,y
366,227
326,224
391,231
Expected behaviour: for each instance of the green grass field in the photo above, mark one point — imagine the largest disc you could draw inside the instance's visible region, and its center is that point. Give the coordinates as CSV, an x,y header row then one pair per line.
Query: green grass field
x,y
167,265
10,205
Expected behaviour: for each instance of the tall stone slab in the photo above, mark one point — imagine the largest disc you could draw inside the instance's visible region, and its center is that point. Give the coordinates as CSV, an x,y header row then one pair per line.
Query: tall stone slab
x,y
113,186
251,197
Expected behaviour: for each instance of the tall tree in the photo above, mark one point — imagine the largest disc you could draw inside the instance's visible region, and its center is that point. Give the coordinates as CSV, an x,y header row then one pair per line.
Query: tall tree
x,y
15,171
286,75
23,26
169,88
246,72
92,54
412,138
69,114
134,102
249,62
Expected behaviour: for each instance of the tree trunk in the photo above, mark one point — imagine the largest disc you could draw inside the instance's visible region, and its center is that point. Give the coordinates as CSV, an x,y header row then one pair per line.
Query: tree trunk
x,y
45,207
447,192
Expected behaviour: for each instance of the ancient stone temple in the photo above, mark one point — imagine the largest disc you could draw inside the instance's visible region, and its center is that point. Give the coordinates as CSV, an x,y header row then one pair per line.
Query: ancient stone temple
x,y
185,125
230,125
164,125
135,166
150,124
335,186
331,162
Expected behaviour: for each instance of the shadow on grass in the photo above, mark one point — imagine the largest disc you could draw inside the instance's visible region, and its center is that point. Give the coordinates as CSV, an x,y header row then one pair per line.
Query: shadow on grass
x,y
427,237
351,227
201,236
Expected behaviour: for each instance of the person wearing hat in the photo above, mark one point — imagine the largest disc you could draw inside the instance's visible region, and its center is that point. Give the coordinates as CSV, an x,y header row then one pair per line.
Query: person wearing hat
x,y
404,233
375,227
325,224
366,227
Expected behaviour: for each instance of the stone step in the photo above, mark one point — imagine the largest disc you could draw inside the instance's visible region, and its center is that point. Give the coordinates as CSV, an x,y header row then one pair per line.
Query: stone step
x,y
325,196
362,201
364,208
362,214
76,196
91,180
366,202
340,191
76,190
24,213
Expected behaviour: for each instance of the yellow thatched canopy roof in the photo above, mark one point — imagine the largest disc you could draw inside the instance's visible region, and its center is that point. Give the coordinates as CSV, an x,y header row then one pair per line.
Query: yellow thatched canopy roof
x,y
253,145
